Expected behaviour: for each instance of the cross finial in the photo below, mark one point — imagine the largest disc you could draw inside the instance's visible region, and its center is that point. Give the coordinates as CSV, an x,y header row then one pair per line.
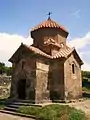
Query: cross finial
x,y
49,15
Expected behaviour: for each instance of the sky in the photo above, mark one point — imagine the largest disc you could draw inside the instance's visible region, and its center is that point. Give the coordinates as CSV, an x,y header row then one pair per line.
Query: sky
x,y
17,17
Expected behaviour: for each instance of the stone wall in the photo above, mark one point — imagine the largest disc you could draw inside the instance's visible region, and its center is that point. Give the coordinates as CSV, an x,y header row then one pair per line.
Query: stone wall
x,y
57,80
42,93
73,81
42,35
47,79
27,72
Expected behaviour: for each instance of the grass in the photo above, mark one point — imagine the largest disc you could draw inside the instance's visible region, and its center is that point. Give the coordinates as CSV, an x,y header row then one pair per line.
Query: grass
x,y
86,89
3,102
53,112
2,107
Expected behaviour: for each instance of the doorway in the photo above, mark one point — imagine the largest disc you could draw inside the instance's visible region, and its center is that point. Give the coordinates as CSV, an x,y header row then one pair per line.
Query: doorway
x,y
22,89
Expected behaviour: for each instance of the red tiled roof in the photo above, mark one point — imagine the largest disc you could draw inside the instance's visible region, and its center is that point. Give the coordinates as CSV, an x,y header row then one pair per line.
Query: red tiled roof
x,y
37,51
64,52
49,24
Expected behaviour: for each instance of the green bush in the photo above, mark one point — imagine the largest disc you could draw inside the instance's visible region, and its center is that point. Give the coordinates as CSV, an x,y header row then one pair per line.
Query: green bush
x,y
76,115
53,112
29,110
86,74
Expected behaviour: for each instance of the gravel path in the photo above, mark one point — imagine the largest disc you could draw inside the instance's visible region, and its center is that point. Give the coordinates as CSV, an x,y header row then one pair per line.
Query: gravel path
x,y
4,116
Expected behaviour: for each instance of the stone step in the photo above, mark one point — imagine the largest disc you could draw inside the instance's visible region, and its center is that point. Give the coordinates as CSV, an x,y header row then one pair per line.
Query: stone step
x,y
20,103
25,104
10,109
13,106
25,101
18,114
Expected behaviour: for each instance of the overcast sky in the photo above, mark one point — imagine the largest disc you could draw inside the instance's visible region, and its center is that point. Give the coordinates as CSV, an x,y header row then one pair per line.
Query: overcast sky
x,y
17,17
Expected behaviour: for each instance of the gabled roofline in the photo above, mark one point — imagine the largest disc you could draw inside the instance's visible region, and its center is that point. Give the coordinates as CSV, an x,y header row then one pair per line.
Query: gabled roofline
x,y
63,53
74,50
10,60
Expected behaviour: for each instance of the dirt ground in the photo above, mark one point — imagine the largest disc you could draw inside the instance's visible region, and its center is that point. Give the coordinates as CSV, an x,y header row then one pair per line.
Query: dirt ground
x,y
4,116
84,106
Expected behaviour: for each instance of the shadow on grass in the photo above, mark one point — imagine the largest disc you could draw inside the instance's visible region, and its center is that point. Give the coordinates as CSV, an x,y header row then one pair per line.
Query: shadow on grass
x,y
86,94
5,101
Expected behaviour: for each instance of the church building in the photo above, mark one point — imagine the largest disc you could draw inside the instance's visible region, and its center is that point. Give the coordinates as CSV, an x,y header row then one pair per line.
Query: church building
x,y
48,69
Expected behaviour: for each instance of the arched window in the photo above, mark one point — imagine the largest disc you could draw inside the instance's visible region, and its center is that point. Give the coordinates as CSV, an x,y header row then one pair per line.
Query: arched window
x,y
73,68
23,64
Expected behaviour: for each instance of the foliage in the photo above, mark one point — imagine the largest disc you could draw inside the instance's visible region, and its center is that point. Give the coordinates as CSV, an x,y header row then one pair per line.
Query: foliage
x,y
9,71
76,115
86,89
29,110
5,69
86,74
53,112
2,68
86,81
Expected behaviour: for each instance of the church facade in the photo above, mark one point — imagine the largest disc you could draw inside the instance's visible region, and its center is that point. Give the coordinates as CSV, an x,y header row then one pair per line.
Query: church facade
x,y
48,69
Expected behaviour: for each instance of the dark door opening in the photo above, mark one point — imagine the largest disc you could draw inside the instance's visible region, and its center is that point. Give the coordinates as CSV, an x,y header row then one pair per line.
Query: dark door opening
x,y
22,89
54,95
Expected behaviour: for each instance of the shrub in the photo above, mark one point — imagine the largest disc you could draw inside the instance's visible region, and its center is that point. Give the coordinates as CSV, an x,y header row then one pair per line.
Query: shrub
x,y
29,110
53,112
76,115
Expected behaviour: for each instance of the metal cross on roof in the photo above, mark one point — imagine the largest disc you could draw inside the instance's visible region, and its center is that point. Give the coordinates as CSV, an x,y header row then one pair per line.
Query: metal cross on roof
x,y
49,15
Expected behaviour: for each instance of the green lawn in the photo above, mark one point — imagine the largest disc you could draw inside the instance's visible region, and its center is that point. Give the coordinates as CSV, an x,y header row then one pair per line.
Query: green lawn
x,y
86,89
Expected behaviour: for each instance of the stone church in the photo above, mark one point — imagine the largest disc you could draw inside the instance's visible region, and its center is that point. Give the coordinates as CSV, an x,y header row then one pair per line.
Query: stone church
x,y
48,69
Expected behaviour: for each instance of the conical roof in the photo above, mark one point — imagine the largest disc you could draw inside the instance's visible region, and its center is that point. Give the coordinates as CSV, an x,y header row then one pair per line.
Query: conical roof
x,y
49,23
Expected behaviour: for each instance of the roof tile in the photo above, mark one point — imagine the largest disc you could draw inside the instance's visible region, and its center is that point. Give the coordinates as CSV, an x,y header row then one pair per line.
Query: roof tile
x,y
49,24
64,52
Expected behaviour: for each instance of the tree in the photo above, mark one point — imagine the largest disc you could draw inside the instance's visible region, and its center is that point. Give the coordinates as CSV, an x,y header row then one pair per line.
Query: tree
x,y
2,68
86,74
9,71
5,69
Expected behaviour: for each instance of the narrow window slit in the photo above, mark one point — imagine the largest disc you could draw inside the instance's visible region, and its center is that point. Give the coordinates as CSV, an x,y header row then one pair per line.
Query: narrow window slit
x,y
73,69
